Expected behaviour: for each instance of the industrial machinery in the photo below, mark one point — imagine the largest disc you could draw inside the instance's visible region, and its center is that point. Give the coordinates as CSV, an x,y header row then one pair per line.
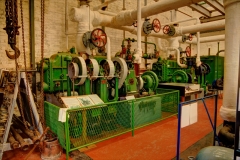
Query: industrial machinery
x,y
216,63
168,70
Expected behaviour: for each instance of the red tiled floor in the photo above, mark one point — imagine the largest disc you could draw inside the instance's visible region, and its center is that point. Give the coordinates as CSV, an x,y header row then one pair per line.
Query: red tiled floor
x,y
158,142
155,142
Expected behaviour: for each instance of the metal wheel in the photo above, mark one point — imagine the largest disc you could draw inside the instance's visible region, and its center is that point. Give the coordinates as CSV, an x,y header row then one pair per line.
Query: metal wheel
x,y
150,80
188,51
166,29
98,37
180,76
156,25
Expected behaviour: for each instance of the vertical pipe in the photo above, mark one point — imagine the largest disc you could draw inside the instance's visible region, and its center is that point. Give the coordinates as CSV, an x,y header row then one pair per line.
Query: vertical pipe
x,y
231,62
108,49
66,22
32,44
138,54
124,8
139,24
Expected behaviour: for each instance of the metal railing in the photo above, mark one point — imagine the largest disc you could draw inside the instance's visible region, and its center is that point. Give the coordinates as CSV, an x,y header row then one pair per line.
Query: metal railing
x,y
213,123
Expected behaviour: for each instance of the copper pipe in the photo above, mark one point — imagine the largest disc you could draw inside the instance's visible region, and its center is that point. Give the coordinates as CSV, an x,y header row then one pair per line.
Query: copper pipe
x,y
24,145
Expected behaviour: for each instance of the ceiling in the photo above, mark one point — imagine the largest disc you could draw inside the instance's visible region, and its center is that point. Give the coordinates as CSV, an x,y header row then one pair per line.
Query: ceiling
x,y
210,9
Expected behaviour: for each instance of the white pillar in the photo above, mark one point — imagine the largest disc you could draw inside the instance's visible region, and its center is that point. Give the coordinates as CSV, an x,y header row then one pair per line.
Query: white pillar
x,y
231,60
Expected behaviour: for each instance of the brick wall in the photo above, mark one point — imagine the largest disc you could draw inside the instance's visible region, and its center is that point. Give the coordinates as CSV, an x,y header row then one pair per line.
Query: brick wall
x,y
55,38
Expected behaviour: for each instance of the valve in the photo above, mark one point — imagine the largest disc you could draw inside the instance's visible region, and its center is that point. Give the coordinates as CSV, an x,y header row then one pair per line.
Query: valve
x,y
98,37
190,37
169,30
148,27
134,24
188,51
156,25
184,38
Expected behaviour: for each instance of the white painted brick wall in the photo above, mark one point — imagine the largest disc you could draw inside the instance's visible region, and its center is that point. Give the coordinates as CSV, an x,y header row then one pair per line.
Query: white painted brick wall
x,y
55,38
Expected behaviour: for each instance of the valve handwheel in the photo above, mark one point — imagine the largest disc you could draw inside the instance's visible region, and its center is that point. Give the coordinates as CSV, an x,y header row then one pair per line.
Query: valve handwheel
x,y
190,37
134,24
98,37
166,29
188,51
156,25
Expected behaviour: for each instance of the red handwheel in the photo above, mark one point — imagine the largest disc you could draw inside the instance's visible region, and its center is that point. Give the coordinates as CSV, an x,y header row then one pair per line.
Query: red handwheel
x,y
166,29
190,37
156,25
188,51
98,37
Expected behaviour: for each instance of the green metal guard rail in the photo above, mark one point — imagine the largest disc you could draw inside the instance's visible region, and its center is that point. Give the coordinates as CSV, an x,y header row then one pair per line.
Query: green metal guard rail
x,y
90,125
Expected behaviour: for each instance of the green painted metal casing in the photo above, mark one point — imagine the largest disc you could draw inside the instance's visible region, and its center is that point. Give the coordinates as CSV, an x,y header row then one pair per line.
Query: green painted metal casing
x,y
216,64
131,81
164,69
55,72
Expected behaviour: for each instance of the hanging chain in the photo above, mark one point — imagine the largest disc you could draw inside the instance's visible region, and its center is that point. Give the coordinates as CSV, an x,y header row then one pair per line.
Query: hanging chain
x,y
25,67
12,31
12,26
42,61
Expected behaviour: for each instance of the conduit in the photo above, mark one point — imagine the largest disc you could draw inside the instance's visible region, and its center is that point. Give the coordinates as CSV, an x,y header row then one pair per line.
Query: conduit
x,y
216,25
231,60
205,39
127,17
138,55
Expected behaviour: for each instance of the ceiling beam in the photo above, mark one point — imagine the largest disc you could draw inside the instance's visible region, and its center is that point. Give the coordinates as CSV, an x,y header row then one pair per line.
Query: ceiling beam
x,y
216,5
201,10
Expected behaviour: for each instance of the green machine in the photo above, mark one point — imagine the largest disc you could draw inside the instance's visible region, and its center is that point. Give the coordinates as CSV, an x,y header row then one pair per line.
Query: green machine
x,y
55,72
216,63
168,70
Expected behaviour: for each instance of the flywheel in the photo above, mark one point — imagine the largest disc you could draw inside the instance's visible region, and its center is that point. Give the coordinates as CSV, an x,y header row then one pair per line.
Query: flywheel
x,y
180,76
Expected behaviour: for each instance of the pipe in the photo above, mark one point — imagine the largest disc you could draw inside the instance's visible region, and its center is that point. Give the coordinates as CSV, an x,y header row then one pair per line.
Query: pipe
x,y
198,61
205,39
108,49
66,22
32,44
180,30
138,54
24,145
84,19
203,27
181,21
127,18
13,143
178,56
231,60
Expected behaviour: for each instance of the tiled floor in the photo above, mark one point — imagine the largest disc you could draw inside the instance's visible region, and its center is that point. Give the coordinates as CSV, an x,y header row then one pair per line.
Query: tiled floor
x,y
154,142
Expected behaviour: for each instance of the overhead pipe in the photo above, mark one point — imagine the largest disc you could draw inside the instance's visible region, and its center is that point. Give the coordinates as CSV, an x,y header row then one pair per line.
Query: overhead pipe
x,y
179,30
231,60
205,39
127,17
